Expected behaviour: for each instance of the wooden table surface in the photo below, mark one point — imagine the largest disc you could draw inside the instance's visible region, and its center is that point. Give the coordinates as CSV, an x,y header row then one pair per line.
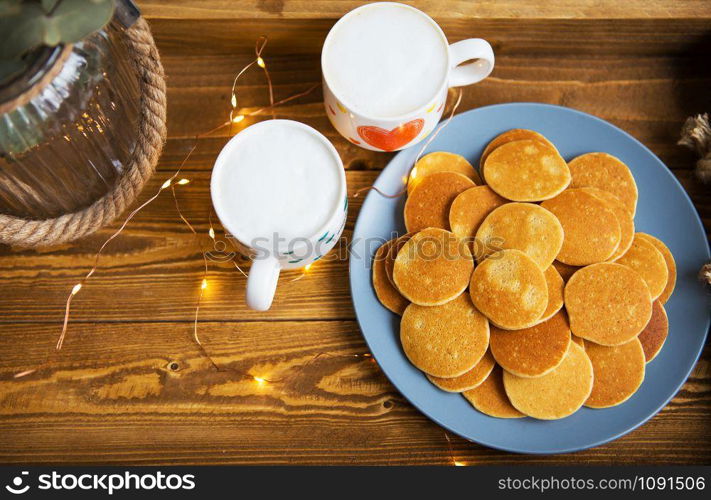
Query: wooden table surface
x,y
131,387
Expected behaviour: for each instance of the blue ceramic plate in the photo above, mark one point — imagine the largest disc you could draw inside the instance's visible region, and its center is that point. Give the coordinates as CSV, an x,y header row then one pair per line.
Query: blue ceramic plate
x,y
664,210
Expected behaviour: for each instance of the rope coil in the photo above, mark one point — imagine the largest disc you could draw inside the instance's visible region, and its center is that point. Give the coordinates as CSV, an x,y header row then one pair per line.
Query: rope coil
x,y
151,137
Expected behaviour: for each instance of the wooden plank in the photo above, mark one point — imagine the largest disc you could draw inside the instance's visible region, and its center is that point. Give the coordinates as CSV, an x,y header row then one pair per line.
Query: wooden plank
x,y
141,393
184,37
440,9
154,269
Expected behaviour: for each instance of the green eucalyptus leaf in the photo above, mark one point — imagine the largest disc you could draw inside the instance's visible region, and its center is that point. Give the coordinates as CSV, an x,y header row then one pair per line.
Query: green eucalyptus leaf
x,y
72,20
21,31
10,7
48,5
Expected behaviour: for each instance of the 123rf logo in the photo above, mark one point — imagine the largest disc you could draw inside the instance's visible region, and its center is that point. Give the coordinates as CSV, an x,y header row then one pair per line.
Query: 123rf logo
x,y
109,483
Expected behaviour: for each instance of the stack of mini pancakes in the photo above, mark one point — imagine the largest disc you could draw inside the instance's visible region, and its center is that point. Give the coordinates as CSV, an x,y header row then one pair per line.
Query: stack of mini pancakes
x,y
529,291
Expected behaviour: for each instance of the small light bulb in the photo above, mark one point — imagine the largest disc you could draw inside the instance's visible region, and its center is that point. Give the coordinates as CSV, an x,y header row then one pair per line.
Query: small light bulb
x,y
459,464
233,101
308,266
211,232
76,289
166,184
237,118
260,62
260,380
183,182
204,284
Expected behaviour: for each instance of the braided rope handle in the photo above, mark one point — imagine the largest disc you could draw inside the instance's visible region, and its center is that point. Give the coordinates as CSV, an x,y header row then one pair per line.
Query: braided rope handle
x,y
151,137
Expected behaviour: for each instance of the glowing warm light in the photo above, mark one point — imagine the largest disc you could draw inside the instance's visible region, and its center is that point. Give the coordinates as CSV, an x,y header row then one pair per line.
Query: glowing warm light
x,y
237,118
233,101
211,232
308,266
166,184
204,284
260,62
260,380
459,464
183,182
413,172
76,289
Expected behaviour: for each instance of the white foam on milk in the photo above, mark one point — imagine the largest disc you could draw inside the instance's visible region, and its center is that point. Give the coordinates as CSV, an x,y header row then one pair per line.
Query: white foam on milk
x,y
385,60
278,179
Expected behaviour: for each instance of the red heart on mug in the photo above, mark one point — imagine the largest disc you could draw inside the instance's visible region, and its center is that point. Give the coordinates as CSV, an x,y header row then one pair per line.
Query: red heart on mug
x,y
390,140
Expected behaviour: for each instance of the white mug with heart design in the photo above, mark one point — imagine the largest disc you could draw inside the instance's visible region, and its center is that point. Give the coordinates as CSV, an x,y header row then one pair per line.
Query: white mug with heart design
x,y
386,71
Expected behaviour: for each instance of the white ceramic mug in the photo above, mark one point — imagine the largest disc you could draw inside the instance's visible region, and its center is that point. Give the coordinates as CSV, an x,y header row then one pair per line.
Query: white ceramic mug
x,y
393,133
268,257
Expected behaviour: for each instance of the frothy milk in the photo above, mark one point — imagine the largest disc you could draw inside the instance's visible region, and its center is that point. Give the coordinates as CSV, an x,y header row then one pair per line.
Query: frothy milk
x,y
276,177
385,60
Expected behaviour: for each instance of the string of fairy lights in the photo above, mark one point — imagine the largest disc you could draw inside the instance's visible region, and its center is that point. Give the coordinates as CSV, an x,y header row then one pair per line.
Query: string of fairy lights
x,y
236,116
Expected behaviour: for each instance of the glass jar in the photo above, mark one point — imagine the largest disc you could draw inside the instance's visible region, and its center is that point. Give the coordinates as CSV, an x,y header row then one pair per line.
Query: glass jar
x,y
67,126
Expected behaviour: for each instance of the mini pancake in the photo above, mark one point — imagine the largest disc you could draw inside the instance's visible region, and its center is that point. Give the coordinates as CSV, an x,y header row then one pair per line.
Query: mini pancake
x,y
644,258
471,379
515,134
557,394
444,341
509,289
533,351
441,161
433,267
605,172
522,226
592,233
385,291
671,265
619,371
655,333
526,170
470,208
607,303
624,217
392,254
564,270
555,293
490,397
428,204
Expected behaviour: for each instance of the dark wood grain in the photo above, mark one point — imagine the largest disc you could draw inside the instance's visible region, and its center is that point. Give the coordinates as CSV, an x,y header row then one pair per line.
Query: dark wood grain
x,y
130,385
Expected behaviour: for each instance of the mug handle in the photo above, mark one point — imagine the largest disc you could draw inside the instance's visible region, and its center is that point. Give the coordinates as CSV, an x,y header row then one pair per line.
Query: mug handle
x,y
475,71
262,283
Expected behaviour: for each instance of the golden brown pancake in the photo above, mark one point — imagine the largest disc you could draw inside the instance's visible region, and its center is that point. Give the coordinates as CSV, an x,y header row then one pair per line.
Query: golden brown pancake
x,y
619,371
607,303
624,217
470,208
533,351
555,293
564,270
605,172
526,170
592,232
515,134
557,394
441,161
428,203
655,333
385,291
444,341
490,397
509,289
392,254
644,258
522,226
433,267
671,265
470,379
